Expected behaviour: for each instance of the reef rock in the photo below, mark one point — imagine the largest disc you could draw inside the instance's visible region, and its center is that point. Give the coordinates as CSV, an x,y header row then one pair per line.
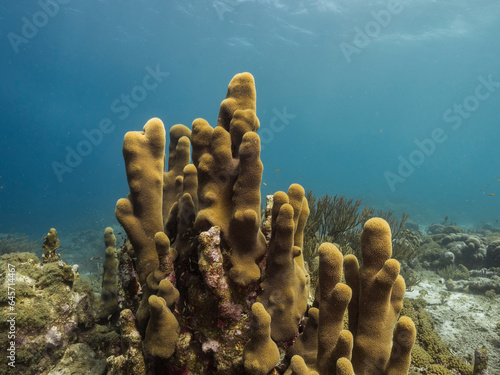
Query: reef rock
x,y
50,311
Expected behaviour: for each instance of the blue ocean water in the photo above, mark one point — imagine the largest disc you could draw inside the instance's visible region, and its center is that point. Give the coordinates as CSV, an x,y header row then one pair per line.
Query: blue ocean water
x,y
395,102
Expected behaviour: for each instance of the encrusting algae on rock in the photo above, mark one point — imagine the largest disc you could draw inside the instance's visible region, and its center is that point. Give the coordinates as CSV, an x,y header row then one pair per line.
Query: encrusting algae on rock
x,y
219,294
48,310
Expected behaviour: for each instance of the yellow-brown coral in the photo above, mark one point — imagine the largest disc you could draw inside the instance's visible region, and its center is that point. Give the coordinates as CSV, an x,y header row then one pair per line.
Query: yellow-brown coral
x,y
374,331
49,246
285,285
261,353
217,275
140,213
378,293
109,293
229,177
162,331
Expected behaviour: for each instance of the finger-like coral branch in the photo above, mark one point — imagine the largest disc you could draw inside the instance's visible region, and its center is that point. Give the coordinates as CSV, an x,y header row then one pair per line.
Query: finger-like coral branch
x,y
140,214
261,353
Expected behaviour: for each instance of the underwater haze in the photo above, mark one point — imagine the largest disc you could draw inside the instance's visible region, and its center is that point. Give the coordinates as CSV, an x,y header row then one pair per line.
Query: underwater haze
x,y
394,102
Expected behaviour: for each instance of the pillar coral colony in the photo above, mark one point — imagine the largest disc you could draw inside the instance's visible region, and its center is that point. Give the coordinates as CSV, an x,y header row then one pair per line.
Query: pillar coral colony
x,y
454,116
121,107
